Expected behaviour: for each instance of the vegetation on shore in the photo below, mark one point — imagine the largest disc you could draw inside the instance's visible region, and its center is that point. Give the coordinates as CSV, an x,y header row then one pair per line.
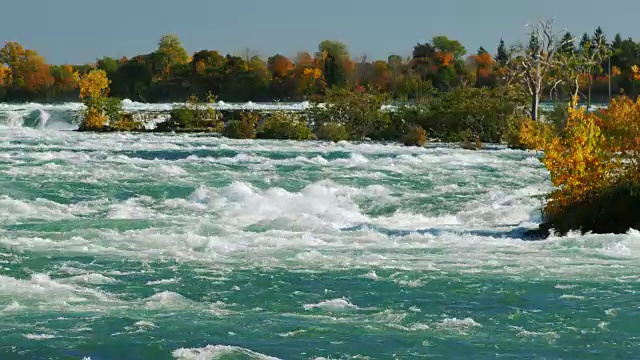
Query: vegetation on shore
x,y
594,164
593,157
170,74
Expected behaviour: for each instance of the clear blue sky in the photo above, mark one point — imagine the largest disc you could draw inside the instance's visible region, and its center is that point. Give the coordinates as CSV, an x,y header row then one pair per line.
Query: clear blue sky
x,y
79,31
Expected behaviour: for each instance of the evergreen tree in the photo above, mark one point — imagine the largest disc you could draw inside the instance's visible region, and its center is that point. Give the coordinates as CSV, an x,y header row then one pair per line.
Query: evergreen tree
x,y
599,36
567,45
534,44
482,50
617,42
501,55
585,41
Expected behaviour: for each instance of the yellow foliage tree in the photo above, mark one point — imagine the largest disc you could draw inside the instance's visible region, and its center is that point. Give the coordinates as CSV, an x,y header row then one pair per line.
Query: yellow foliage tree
x,y
94,89
584,159
93,85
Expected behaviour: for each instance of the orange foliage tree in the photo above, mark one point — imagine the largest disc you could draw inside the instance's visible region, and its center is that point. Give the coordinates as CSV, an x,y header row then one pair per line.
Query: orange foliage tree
x,y
381,75
29,70
445,58
280,66
5,76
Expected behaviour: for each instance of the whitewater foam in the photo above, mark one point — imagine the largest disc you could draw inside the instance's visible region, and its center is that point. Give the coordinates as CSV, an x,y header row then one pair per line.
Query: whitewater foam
x,y
217,351
331,305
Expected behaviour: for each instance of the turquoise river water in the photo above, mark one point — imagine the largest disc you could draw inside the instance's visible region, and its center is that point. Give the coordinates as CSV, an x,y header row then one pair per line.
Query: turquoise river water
x,y
124,246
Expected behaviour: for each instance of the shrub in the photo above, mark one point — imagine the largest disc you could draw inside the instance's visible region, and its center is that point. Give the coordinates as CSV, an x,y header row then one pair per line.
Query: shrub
x,y
416,136
524,133
194,115
331,131
232,130
127,123
282,125
593,164
245,128
360,111
482,113
558,116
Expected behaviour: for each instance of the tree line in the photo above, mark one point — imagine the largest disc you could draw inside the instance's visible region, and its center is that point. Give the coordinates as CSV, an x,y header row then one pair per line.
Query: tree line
x,y
592,67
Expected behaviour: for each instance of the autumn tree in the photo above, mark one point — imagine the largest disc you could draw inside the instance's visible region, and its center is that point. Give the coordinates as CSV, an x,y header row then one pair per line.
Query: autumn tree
x,y
100,109
5,76
64,79
484,65
29,71
280,66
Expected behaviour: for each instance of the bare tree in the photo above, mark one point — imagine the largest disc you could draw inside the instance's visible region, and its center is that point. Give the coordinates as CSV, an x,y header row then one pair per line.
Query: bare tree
x,y
247,54
534,62
568,67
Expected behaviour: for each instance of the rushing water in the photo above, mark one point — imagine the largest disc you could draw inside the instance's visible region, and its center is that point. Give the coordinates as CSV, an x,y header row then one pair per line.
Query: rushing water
x,y
121,246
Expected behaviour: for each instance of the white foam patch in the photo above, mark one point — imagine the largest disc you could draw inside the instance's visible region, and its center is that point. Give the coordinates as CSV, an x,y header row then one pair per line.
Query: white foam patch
x,y
572,297
145,324
166,300
43,289
459,323
13,307
12,210
211,352
39,336
331,305
162,281
91,278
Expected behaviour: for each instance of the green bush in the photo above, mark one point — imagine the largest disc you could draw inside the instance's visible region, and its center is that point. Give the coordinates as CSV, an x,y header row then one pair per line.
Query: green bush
x,y
232,129
282,125
359,111
245,128
558,116
331,131
462,113
193,115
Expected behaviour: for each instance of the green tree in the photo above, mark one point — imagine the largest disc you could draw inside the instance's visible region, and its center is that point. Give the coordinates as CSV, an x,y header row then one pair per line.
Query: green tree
x,y
108,64
171,47
599,36
567,45
443,43
502,57
335,56
534,44
617,42
584,41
